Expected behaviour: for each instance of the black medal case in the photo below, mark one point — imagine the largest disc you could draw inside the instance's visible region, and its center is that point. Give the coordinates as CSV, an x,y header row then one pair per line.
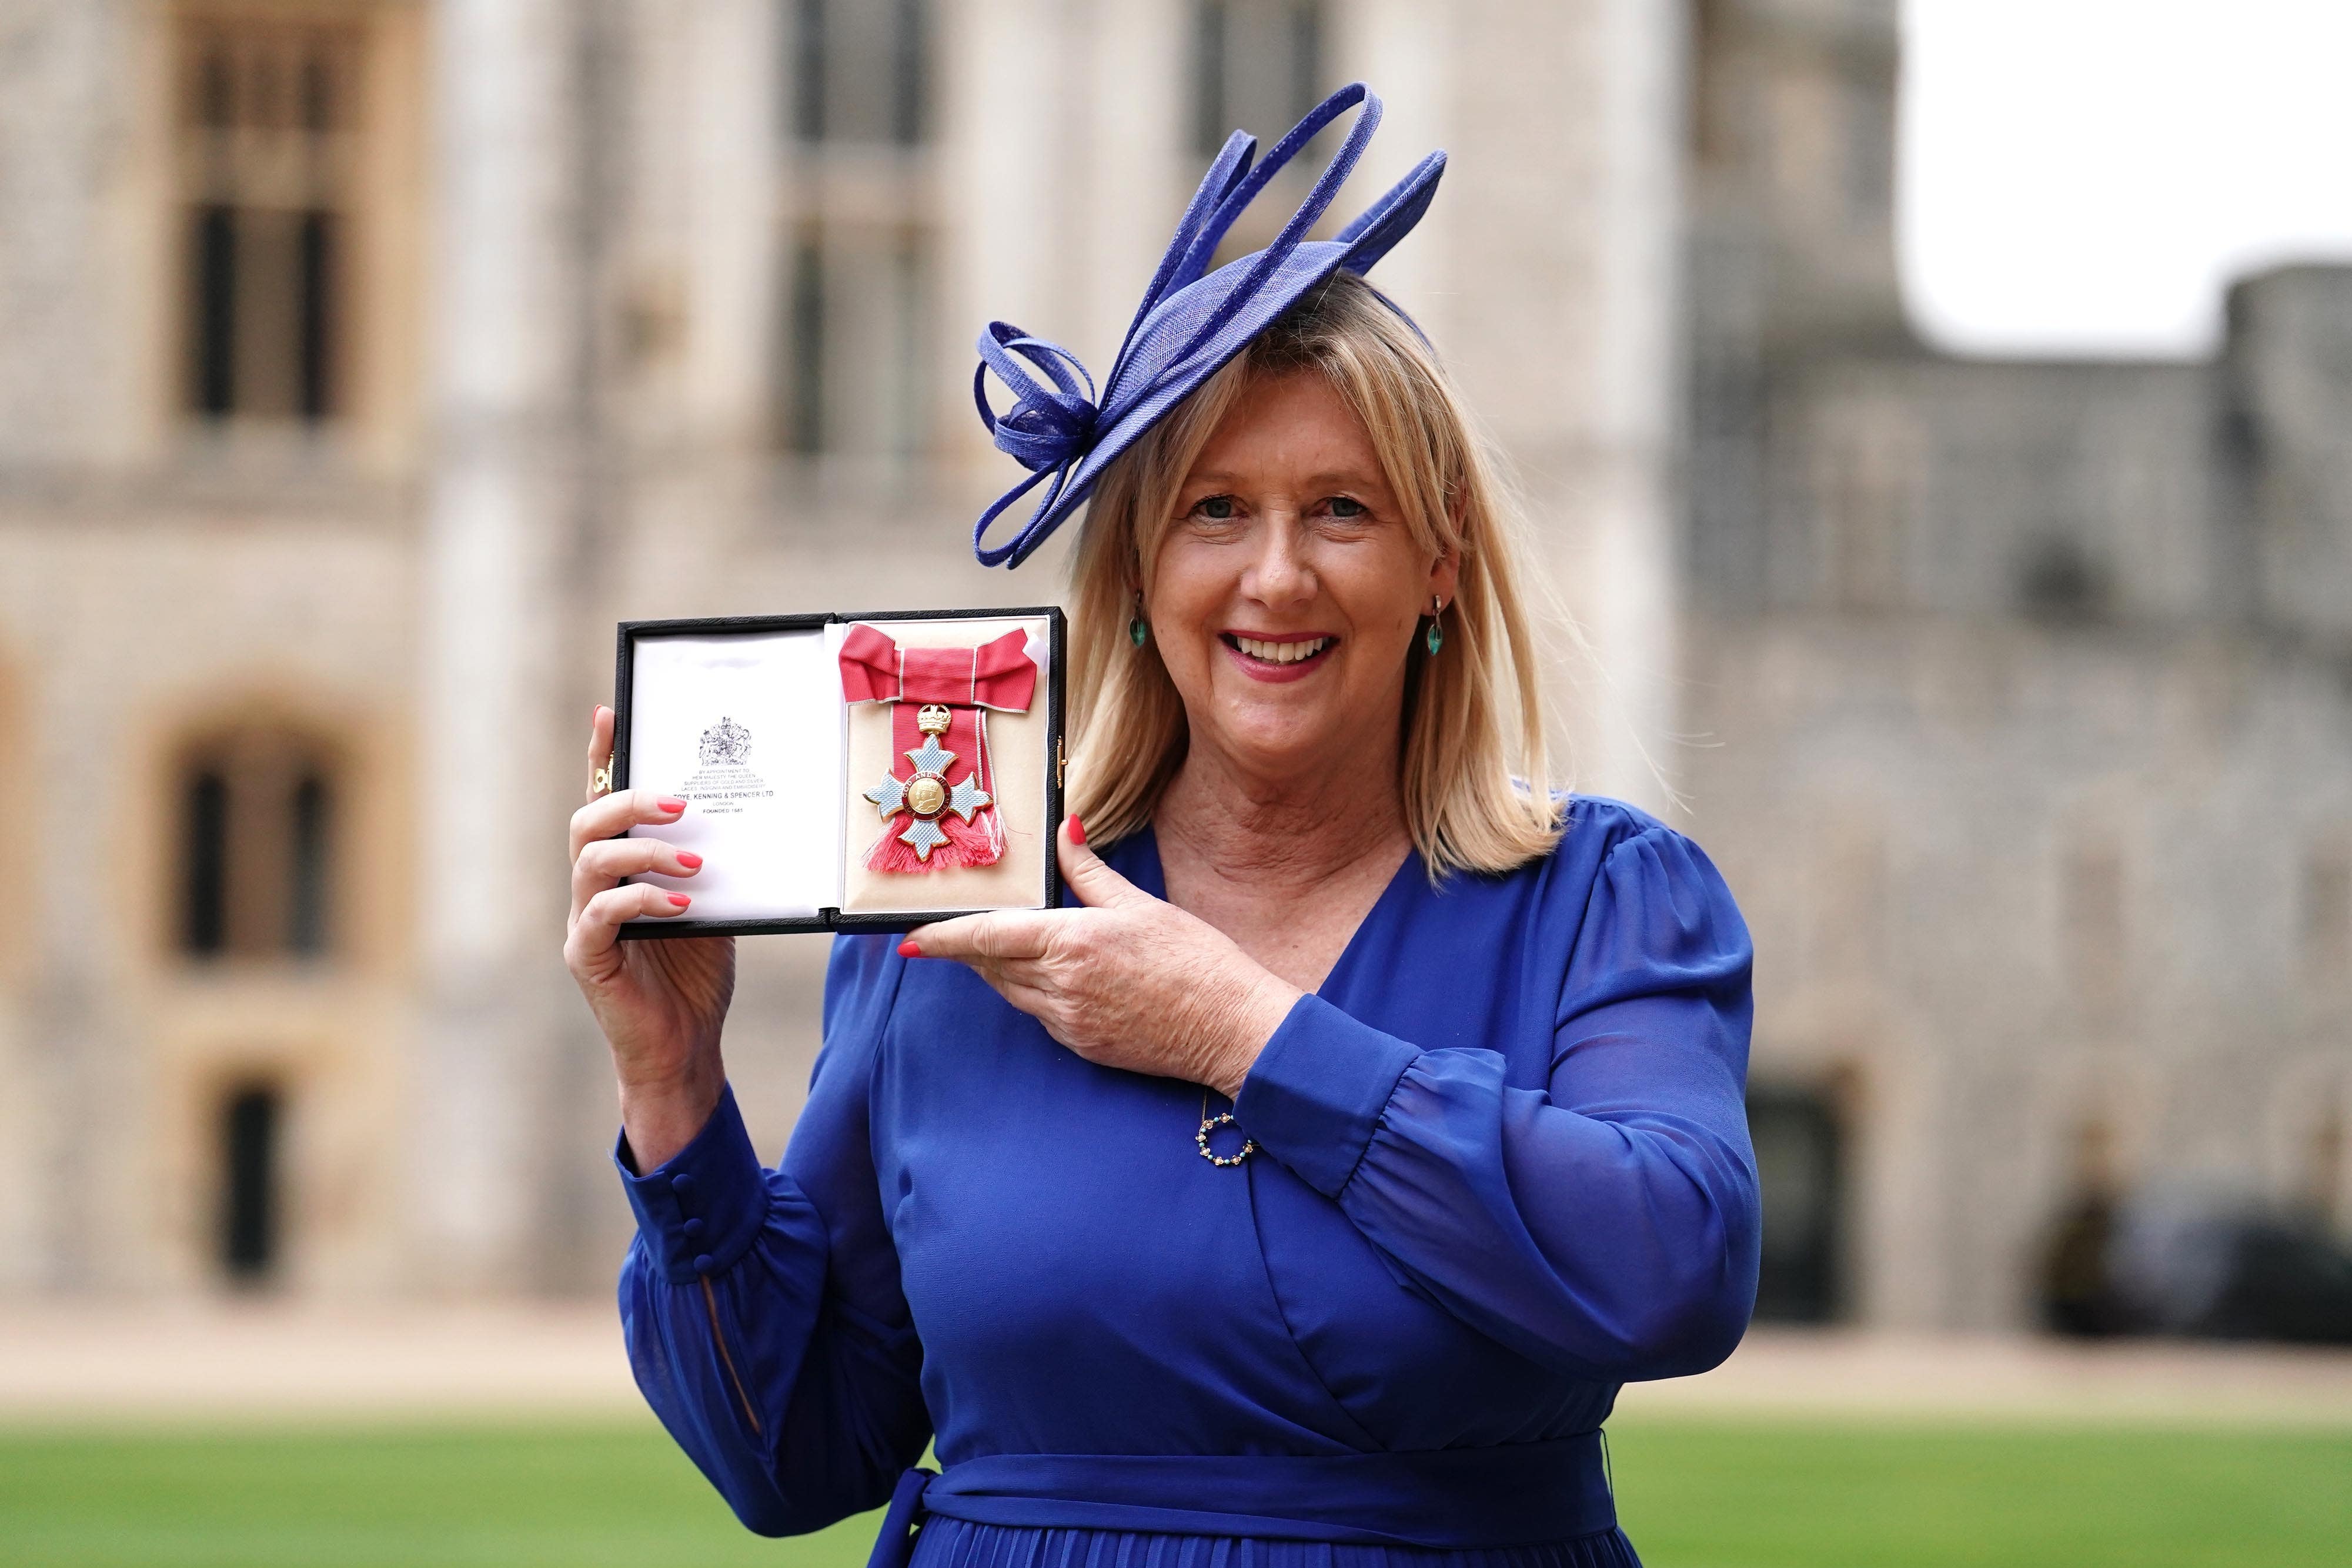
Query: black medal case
x,y
791,767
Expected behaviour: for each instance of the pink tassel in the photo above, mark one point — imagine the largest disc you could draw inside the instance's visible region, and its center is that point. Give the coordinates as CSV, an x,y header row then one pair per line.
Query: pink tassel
x,y
980,842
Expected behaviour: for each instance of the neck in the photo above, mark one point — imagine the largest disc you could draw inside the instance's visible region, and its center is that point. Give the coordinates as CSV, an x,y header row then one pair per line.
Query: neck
x,y
1292,833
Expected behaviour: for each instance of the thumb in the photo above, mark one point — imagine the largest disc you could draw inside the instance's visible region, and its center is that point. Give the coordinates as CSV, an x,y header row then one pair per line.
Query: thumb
x,y
1089,876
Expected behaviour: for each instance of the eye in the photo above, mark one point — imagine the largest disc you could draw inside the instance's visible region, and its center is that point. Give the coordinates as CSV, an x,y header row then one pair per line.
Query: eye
x,y
1217,509
1346,507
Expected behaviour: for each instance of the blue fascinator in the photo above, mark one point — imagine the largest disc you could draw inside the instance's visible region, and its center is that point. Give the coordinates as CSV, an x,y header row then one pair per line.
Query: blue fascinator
x,y
1189,327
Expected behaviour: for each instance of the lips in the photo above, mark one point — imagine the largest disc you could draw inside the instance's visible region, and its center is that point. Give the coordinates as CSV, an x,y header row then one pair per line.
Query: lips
x,y
1279,651
1278,658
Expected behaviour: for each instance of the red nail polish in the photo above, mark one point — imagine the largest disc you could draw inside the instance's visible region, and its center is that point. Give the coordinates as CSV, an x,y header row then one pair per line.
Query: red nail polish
x,y
1077,832
688,859
909,950
671,803
680,900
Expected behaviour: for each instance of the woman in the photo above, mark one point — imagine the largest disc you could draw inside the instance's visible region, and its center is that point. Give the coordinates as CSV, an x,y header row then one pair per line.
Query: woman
x,y
1315,1184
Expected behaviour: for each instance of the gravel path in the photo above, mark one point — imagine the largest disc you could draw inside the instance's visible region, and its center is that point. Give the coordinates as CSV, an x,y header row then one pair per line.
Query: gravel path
x,y
112,1365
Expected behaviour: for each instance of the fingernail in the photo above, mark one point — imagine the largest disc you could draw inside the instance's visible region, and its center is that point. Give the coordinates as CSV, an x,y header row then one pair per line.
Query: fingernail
x,y
909,949
671,803
689,860
680,900
1077,832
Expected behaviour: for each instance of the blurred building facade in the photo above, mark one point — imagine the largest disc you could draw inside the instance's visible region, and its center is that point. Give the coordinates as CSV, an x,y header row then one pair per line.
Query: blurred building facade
x,y
2025,692
361,362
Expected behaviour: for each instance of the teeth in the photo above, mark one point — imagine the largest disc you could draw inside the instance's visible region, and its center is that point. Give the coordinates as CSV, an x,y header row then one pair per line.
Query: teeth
x,y
1282,652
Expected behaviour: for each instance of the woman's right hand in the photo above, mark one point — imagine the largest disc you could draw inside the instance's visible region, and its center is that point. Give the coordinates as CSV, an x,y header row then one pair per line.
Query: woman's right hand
x,y
660,1004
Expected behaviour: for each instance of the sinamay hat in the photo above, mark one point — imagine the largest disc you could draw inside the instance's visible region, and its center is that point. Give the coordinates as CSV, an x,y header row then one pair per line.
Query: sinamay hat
x,y
1189,327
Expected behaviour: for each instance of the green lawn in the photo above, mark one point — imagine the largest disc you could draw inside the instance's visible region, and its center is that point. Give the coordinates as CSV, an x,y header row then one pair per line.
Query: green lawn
x,y
1693,1496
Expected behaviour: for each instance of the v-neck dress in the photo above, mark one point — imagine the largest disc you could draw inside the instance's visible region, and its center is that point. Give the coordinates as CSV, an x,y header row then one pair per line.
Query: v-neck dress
x,y
1503,1167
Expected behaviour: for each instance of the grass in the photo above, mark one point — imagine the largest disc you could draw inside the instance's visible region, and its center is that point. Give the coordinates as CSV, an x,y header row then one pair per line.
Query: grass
x,y
1824,1496
1693,1496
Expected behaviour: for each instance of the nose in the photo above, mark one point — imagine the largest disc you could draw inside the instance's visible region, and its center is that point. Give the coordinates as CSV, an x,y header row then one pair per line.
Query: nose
x,y
1279,574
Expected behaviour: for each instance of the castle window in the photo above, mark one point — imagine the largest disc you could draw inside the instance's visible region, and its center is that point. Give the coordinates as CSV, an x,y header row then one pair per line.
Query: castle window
x,y
1801,1175
857,289
1709,128
255,849
265,175
249,1135
1257,66
859,70
854,383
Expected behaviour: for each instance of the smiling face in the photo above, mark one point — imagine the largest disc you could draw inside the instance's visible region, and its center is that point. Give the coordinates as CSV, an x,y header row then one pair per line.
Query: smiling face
x,y
1288,586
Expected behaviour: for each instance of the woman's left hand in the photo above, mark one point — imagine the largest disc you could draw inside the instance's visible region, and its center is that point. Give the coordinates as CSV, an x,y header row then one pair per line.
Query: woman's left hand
x,y
1128,981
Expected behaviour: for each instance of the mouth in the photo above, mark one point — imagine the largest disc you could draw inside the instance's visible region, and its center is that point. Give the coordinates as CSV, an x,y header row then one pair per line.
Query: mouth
x,y
1284,657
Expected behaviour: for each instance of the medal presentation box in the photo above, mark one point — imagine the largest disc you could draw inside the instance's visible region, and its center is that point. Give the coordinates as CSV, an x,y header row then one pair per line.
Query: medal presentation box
x,y
846,772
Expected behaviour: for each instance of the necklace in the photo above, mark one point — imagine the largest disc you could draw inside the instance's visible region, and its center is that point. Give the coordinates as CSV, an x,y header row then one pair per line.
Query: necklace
x,y
1211,1123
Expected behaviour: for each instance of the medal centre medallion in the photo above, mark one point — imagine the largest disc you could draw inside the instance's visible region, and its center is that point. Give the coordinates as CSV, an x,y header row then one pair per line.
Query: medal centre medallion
x,y
927,795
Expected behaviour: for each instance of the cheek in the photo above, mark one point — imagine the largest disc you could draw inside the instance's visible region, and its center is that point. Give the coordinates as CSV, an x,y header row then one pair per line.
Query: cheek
x,y
1187,592
1382,591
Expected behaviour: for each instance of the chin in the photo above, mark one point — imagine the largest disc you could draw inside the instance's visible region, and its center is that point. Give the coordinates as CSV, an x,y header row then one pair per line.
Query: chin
x,y
1272,732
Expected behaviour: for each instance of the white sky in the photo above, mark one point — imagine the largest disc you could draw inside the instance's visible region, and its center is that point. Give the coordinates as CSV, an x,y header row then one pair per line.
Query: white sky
x,y
2085,176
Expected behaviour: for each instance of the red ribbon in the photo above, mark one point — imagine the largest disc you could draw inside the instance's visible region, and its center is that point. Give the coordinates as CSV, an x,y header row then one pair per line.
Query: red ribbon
x,y
996,674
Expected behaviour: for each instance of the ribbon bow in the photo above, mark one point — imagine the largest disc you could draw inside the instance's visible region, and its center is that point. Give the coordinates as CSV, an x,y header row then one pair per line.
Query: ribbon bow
x,y
1047,426
998,673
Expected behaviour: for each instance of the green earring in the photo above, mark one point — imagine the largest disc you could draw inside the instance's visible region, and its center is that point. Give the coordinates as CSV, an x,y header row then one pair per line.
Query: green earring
x,y
1436,638
1138,630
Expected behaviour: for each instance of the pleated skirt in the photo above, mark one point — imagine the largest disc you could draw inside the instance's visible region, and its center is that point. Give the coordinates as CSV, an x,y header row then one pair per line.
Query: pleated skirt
x,y
958,1543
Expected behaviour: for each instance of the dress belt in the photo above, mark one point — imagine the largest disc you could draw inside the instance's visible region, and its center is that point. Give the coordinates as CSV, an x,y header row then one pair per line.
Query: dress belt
x,y
1520,1494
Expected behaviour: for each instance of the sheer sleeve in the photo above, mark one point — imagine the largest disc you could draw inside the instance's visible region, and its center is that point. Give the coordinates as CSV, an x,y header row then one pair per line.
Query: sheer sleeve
x,y
1604,1224
762,1307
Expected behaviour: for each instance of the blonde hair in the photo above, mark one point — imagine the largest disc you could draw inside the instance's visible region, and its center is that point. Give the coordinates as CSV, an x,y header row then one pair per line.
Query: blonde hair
x,y
1475,775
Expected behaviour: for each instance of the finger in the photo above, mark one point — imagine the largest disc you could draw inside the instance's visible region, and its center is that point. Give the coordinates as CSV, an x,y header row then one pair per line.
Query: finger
x,y
976,938
1016,981
600,918
1035,1000
600,747
610,816
1088,875
604,862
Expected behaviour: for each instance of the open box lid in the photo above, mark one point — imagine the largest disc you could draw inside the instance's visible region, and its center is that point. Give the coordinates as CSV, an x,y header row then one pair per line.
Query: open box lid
x,y
746,717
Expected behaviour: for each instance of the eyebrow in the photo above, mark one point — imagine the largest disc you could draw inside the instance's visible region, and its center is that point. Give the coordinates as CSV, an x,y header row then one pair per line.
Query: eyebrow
x,y
1356,478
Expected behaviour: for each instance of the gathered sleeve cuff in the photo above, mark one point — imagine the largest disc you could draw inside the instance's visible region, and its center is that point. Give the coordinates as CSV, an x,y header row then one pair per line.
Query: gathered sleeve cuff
x,y
700,1211
1318,1092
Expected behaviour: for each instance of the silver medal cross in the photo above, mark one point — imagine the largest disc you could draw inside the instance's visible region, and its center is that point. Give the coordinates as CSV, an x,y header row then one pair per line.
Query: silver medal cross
x,y
928,794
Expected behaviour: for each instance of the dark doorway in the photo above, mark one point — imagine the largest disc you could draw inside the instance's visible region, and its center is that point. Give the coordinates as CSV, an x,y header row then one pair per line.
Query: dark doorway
x,y
1801,1170
250,1130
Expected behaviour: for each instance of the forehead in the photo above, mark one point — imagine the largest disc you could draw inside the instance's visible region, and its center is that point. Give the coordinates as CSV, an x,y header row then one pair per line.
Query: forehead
x,y
1293,425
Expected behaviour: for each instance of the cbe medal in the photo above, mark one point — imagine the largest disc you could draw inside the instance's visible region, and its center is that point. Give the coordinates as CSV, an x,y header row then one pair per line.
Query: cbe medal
x,y
941,810
928,794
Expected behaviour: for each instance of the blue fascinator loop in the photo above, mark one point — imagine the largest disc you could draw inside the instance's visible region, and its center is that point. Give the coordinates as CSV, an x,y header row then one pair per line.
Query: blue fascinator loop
x,y
1046,427
1191,324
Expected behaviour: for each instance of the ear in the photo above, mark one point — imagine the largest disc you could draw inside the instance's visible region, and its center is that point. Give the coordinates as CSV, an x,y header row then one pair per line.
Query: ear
x,y
1445,576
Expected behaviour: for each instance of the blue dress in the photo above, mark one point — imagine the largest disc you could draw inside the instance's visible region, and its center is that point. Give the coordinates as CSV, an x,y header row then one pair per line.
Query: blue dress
x,y
1502,1168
